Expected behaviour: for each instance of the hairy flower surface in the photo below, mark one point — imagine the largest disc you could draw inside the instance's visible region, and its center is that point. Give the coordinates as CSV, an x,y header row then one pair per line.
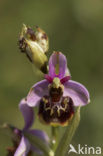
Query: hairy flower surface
x,y
22,146
57,95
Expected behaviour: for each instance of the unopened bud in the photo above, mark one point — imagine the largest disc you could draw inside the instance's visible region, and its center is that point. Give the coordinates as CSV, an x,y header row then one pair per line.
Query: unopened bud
x,y
35,45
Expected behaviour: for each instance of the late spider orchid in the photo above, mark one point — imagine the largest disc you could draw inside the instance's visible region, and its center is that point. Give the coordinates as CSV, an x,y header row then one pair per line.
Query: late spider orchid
x,y
57,95
22,146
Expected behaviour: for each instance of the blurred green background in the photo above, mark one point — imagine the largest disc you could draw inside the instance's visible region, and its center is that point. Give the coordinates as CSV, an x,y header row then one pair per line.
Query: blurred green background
x,y
74,27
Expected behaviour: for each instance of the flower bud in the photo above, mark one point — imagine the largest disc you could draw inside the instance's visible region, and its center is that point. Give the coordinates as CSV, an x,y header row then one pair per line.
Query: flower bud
x,y
34,45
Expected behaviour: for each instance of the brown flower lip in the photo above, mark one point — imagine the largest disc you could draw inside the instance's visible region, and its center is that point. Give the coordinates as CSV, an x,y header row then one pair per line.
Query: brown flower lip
x,y
54,113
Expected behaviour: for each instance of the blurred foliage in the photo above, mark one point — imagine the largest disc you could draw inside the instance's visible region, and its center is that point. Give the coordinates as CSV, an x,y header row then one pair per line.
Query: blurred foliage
x,y
75,28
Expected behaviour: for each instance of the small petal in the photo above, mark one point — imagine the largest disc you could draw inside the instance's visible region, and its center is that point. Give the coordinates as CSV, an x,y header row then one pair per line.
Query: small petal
x,y
23,147
28,114
48,78
57,59
65,79
77,92
37,91
42,135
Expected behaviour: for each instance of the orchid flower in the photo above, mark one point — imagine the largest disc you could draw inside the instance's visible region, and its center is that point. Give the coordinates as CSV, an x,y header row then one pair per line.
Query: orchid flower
x,y
57,95
23,147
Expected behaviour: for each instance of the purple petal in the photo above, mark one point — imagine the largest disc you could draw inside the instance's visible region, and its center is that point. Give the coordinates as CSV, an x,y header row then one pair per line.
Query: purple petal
x,y
27,112
40,134
77,92
57,58
37,91
23,147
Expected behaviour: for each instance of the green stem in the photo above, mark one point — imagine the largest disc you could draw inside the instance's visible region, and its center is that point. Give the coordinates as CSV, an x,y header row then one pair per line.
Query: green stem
x,y
68,134
37,142
54,139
